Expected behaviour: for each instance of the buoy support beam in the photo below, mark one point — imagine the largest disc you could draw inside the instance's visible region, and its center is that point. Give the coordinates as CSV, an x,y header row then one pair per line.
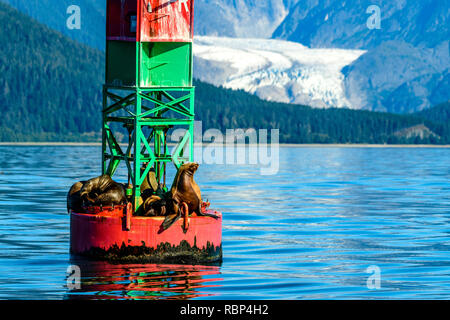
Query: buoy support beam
x,y
138,109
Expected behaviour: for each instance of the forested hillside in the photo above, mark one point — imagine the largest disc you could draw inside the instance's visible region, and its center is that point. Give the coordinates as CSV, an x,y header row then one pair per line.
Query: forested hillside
x,y
219,108
440,113
49,84
50,90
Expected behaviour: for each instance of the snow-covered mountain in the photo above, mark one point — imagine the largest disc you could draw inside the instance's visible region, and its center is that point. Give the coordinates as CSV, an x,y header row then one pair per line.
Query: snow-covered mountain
x,y
406,67
275,70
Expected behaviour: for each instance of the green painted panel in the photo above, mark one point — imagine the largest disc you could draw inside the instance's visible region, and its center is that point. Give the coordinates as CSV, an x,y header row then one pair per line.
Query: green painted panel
x,y
163,64
121,63
166,64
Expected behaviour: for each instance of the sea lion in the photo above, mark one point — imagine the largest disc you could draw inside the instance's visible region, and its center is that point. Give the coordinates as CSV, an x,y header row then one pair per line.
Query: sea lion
x,y
74,201
185,190
157,206
149,185
149,189
102,191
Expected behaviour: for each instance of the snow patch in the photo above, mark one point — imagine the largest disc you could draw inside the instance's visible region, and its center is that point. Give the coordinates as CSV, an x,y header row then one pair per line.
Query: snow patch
x,y
275,70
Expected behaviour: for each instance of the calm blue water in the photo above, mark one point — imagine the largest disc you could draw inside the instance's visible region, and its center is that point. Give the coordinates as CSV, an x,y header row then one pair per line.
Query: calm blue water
x,y
309,232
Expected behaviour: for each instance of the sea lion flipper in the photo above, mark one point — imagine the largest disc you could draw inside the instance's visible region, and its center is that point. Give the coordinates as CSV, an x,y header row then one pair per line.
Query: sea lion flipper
x,y
170,220
210,215
74,201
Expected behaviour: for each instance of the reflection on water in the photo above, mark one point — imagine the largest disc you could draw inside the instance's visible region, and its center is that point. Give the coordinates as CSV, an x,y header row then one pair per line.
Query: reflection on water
x,y
309,232
102,280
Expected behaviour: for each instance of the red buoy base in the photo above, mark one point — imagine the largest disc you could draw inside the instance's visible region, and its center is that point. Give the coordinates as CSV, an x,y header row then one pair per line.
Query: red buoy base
x,y
116,235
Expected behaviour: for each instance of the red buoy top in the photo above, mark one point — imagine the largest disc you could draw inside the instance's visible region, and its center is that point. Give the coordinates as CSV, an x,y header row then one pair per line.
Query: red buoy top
x,y
150,20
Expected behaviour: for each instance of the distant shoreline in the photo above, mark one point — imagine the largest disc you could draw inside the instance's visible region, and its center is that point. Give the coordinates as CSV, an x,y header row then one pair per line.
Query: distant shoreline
x,y
286,145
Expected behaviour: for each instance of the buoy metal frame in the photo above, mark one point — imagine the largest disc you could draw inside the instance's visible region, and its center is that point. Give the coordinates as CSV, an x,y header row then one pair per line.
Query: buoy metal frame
x,y
146,77
139,153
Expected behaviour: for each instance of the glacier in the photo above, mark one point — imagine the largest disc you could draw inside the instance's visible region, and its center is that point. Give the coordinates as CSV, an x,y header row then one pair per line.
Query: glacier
x,y
275,70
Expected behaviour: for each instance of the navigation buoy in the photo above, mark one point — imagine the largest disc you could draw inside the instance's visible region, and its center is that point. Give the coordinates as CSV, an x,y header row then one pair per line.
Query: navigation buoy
x,y
148,77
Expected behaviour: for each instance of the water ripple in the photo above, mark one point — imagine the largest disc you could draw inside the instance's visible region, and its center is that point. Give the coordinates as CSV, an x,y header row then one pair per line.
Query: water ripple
x,y
309,232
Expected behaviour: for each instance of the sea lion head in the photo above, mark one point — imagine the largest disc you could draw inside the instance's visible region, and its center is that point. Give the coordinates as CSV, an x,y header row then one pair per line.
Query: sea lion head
x,y
190,167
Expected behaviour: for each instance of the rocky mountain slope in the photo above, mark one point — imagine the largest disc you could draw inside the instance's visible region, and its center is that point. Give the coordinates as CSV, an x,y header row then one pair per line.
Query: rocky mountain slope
x,y
406,67
343,23
241,18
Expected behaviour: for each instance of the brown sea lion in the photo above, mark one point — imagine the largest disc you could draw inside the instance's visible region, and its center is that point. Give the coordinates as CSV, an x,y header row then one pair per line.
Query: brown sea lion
x,y
185,190
74,201
102,191
156,206
149,188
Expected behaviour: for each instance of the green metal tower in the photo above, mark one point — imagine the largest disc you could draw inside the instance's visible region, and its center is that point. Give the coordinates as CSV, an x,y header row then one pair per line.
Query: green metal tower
x,y
148,88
